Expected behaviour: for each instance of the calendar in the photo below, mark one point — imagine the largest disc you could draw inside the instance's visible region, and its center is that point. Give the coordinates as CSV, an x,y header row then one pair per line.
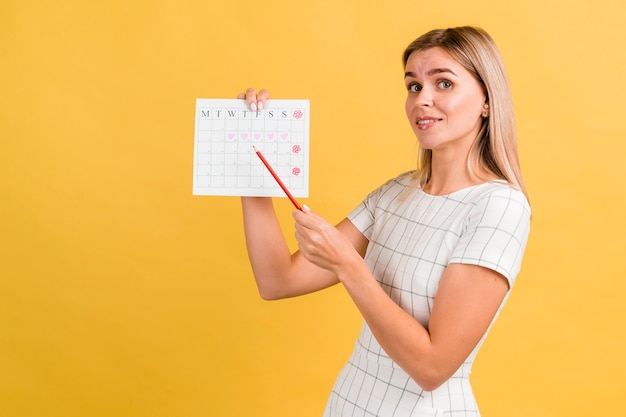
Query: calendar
x,y
227,133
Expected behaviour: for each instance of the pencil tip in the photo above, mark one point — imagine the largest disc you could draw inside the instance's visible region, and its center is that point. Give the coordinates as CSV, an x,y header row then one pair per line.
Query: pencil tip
x,y
254,147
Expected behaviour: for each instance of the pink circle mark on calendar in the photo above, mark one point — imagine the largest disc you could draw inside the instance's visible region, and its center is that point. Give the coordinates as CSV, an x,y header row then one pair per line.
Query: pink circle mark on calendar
x,y
296,149
296,171
297,114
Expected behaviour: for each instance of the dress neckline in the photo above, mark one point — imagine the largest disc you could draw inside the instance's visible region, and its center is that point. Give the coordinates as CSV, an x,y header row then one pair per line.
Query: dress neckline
x,y
464,189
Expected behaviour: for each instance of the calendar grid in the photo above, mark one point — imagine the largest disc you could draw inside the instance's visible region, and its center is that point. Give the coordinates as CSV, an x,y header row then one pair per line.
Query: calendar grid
x,y
225,132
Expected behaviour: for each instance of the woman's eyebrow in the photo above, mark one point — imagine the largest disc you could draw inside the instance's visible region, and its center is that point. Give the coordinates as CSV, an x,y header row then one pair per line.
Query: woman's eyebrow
x,y
431,72
440,70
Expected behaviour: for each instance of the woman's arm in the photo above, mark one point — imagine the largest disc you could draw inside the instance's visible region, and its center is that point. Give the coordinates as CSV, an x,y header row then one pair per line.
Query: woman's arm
x,y
466,302
277,272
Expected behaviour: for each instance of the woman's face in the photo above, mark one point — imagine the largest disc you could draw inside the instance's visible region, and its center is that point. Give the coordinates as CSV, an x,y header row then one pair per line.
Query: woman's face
x,y
444,101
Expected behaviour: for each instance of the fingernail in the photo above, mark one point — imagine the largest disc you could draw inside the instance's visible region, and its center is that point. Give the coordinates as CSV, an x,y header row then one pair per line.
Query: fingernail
x,y
253,106
261,106
304,206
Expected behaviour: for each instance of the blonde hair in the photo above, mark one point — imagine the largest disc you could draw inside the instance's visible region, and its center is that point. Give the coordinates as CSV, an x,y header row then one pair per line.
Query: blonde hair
x,y
495,148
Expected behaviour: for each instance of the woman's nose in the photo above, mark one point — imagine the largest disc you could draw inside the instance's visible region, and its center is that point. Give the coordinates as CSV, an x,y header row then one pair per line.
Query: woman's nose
x,y
424,97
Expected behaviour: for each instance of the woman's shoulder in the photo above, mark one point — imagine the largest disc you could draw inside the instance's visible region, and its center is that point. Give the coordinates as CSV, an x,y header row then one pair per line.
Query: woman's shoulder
x,y
500,189
498,195
404,180
390,191
395,186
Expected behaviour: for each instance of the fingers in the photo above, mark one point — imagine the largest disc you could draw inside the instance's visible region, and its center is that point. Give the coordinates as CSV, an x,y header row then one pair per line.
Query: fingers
x,y
311,228
306,218
307,230
256,101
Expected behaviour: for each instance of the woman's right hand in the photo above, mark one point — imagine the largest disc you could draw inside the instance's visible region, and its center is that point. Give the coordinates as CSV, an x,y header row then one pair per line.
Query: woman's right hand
x,y
256,101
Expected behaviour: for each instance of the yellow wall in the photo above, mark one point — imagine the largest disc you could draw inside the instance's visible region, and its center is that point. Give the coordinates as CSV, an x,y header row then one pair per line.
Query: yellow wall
x,y
121,294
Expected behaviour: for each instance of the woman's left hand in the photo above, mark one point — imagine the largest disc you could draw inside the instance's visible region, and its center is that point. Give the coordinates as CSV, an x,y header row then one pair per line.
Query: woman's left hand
x,y
322,244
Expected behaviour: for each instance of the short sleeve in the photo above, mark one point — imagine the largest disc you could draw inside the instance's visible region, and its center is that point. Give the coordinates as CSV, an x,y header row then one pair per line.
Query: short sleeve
x,y
496,233
362,217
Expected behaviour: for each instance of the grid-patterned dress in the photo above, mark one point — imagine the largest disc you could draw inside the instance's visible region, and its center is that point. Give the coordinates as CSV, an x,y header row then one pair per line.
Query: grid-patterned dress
x,y
413,236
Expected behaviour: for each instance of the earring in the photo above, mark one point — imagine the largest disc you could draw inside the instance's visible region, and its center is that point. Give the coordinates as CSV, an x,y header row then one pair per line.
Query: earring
x,y
486,112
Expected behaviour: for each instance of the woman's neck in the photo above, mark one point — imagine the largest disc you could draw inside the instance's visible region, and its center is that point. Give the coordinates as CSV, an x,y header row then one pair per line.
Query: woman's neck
x,y
448,176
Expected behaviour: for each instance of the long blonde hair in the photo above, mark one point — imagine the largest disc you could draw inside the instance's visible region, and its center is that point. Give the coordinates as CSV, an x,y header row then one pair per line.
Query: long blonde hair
x,y
495,147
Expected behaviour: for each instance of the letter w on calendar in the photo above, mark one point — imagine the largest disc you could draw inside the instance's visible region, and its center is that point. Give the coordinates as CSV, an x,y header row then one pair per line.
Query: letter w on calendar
x,y
226,131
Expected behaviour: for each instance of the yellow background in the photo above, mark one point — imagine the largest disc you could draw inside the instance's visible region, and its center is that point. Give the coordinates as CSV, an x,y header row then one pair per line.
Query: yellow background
x,y
121,294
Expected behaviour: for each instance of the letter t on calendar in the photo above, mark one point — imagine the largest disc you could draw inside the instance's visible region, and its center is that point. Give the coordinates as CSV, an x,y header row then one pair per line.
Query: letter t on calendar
x,y
226,131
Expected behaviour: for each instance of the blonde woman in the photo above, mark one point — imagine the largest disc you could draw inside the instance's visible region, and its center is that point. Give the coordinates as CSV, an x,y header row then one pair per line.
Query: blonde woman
x,y
429,257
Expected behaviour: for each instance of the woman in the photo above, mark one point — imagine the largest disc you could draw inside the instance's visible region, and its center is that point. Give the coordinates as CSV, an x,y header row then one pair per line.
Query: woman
x,y
428,258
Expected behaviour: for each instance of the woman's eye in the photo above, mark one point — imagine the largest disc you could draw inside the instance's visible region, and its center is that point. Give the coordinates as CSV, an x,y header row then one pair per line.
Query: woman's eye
x,y
445,84
414,88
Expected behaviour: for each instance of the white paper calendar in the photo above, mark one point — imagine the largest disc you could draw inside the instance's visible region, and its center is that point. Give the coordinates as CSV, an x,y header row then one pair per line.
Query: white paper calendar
x,y
226,131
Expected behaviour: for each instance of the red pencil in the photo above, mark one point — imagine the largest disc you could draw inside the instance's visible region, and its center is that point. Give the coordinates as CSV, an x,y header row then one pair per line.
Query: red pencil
x,y
269,168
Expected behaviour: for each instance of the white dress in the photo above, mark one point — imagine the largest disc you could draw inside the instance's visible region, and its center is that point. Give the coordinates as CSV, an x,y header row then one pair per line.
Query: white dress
x,y
413,236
